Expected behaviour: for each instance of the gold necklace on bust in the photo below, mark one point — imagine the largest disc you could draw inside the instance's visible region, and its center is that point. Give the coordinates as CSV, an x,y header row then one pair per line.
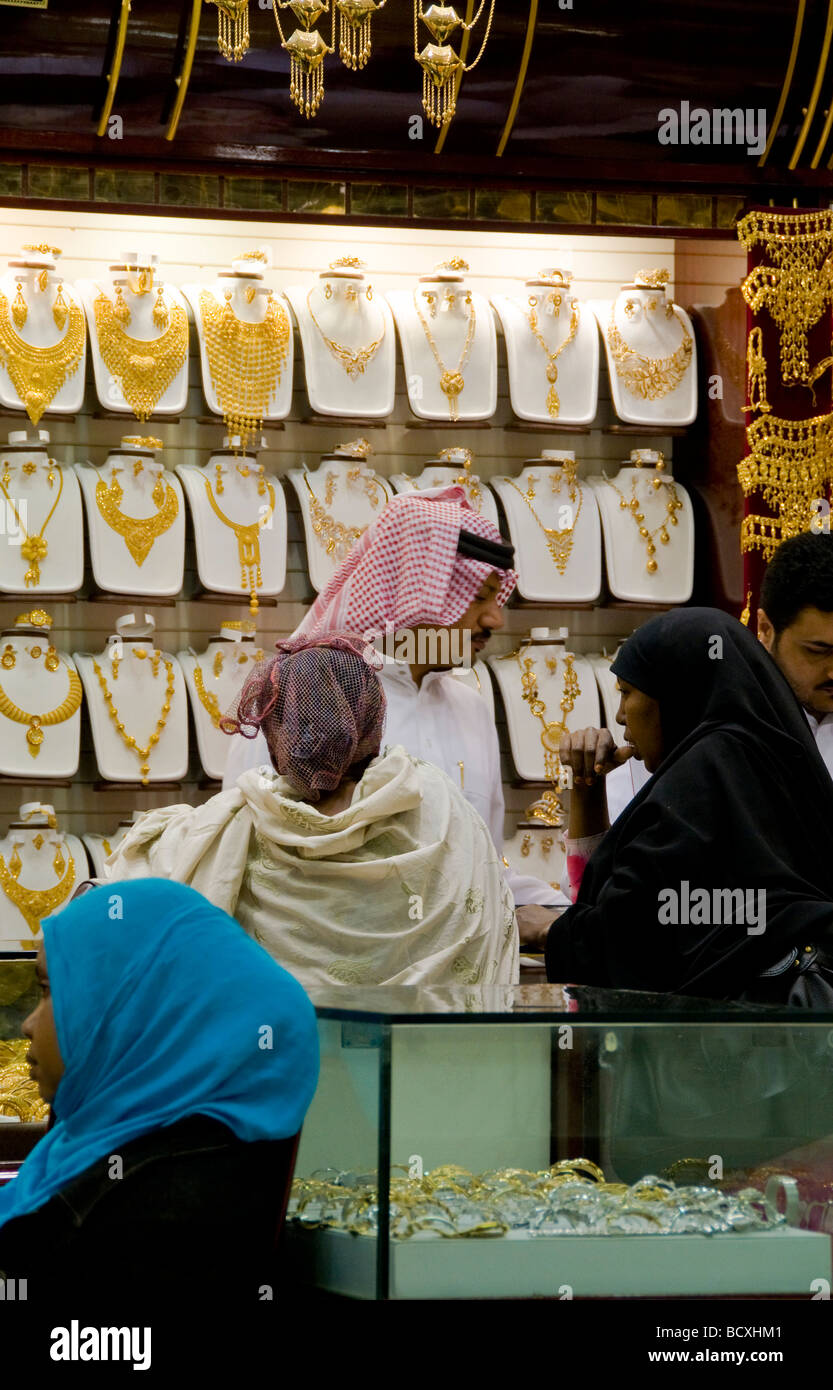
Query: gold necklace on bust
x,y
245,360
34,904
38,373
451,382
34,548
559,542
336,538
143,754
553,399
143,367
650,378
65,710
672,506
137,532
551,731
208,699
353,360
248,543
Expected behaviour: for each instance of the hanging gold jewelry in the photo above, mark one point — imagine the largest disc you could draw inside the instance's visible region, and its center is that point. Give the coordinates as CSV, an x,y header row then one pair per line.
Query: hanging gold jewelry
x,y
559,539
36,722
369,293
121,309
442,68
232,28
452,382
20,311
158,493
34,549
328,291
58,863
143,367
246,362
15,862
353,360
34,904
6,475
38,373
672,506
354,36
248,544
553,400
50,477
160,309
649,378
9,657
52,660
745,615
115,662
219,657
219,483
143,754
794,283
790,462
307,51
756,374
208,699
60,312
138,533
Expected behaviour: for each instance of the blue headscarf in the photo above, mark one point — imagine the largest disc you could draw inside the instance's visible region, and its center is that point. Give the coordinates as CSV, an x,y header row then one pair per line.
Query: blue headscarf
x,y
163,1008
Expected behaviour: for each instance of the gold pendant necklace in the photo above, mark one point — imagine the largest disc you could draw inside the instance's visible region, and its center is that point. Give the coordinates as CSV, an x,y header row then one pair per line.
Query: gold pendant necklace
x,y
650,378
248,543
633,506
143,367
550,732
137,532
559,541
34,548
38,373
34,733
245,360
208,699
143,754
353,360
451,382
35,904
553,399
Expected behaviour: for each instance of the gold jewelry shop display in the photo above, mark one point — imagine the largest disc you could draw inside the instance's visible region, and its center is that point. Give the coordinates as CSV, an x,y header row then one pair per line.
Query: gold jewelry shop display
x,y
137,532
143,754
248,542
442,67
34,904
143,367
790,462
464,479
649,378
38,373
37,722
336,538
354,30
552,355
353,360
633,505
551,731
559,541
794,282
307,51
451,381
245,360
756,374
34,549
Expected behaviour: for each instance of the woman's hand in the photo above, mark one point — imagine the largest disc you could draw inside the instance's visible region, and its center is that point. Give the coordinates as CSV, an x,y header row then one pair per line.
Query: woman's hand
x,y
591,754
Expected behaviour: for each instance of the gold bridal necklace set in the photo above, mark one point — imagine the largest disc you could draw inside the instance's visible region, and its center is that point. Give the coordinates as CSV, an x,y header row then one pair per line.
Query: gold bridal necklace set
x,y
354,360
559,540
138,533
142,753
36,723
549,807
552,354
246,360
247,534
34,904
649,378
635,507
336,538
452,381
38,373
143,367
34,548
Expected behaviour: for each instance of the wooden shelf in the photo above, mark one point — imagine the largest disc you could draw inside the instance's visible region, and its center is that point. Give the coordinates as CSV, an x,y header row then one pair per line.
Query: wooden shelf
x,y
537,427
455,425
210,596
132,600
649,431
37,600
36,780
342,422
128,418
15,413
104,786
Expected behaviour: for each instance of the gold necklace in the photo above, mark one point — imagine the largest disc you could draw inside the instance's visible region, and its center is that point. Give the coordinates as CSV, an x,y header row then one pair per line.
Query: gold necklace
x,y
650,378
248,544
36,903
208,699
34,548
143,754
672,506
34,733
559,542
143,367
550,732
451,382
553,400
794,284
137,532
38,373
245,360
353,360
336,538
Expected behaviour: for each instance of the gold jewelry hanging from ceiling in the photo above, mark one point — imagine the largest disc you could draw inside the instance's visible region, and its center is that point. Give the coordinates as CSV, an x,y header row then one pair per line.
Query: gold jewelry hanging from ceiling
x,y
232,28
452,382
138,533
38,373
246,361
552,356
34,548
37,722
143,367
354,24
442,67
790,462
143,754
307,51
649,378
353,360
34,904
796,285
248,543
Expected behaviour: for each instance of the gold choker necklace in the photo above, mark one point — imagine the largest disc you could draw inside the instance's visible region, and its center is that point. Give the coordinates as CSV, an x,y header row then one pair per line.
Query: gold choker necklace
x,y
451,382
143,367
553,399
248,543
246,361
138,533
34,904
649,378
353,360
38,373
36,722
143,754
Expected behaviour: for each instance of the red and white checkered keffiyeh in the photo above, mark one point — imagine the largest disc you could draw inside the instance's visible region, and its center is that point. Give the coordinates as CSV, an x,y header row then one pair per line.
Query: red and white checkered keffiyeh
x,y
405,570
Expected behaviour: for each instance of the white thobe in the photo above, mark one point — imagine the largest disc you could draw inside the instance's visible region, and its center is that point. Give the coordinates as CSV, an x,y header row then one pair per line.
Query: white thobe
x,y
446,723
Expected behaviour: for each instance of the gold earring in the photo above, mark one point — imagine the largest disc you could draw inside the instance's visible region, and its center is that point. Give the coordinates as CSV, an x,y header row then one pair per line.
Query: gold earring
x,y
9,657
328,291
60,312
227,317
219,483
329,489
651,306
431,300
526,845
14,862
35,652
115,661
160,310
218,662
158,493
533,301
547,844
250,293
449,299
369,291
7,477
52,660
58,862
20,312
121,310
50,477
351,294
261,481
631,306
531,480
138,467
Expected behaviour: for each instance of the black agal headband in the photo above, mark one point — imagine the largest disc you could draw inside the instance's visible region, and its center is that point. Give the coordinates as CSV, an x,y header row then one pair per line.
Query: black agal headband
x,y
494,553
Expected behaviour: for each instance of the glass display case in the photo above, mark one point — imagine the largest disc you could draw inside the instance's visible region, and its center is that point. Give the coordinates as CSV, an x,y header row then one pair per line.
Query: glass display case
x,y
564,1142
23,1114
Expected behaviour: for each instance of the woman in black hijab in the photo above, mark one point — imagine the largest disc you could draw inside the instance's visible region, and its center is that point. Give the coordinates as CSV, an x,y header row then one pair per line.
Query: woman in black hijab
x,y
740,800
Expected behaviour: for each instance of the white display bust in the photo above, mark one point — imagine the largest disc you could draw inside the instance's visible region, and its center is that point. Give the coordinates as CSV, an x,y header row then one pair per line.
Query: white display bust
x,y
452,465
137,539
244,555
38,681
339,500
214,678
240,299
40,868
155,334
445,311
651,354
647,568
42,516
100,847
547,652
141,681
563,562
41,311
348,342
557,380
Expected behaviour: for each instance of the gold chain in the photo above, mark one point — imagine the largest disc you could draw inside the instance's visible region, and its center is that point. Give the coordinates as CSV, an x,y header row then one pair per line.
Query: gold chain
x,y
553,400
650,378
143,754
353,360
246,361
36,903
208,699
550,732
451,382
248,543
138,532
143,367
796,286
34,548
559,542
672,506
34,733
38,373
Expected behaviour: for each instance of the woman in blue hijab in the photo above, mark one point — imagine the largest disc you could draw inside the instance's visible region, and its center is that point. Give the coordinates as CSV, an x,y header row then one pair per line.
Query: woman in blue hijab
x,y
177,1055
